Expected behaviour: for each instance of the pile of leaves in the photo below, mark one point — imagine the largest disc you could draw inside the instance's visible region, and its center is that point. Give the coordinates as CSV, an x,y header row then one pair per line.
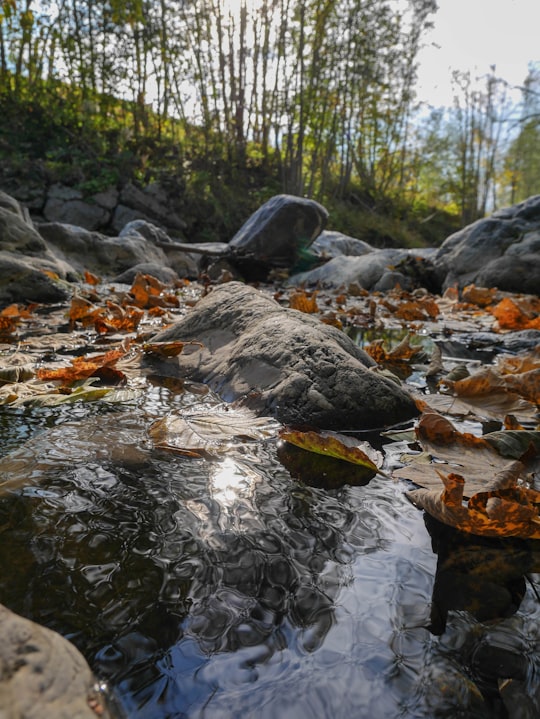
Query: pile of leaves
x,y
483,483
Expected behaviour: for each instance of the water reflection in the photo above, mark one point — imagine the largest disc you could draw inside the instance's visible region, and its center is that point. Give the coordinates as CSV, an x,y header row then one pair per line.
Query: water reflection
x,y
228,589
485,577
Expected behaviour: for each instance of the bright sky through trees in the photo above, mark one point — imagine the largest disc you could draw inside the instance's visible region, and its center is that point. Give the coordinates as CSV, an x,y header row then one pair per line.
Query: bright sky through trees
x,y
473,35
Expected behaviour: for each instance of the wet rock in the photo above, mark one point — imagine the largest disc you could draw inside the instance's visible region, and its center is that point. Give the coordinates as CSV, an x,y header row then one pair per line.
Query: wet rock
x,y
499,251
282,362
98,253
275,235
42,675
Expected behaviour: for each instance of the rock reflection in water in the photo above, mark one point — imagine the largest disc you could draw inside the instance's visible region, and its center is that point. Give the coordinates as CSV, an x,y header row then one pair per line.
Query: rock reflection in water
x,y
483,576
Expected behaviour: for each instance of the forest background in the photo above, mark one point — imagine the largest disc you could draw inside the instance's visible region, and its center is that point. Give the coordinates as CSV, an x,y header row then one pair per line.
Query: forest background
x,y
227,104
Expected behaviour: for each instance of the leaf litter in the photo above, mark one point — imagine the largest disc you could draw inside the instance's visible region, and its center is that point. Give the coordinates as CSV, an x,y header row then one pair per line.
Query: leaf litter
x,y
451,462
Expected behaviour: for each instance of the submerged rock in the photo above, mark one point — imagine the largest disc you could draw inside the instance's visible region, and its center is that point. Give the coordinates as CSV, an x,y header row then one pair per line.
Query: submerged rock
x,y
285,363
42,675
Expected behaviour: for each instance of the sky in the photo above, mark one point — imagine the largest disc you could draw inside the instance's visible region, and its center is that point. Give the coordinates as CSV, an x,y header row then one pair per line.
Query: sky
x,y
473,35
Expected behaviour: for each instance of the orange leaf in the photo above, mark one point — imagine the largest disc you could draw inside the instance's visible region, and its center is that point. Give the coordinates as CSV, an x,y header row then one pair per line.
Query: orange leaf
x,y
304,301
82,368
516,314
91,279
84,311
481,296
509,511
168,349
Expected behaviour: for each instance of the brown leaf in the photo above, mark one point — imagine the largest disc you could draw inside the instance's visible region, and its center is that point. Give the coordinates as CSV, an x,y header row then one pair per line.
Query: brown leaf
x,y
304,301
515,313
451,451
480,296
168,349
335,445
83,367
507,511
91,279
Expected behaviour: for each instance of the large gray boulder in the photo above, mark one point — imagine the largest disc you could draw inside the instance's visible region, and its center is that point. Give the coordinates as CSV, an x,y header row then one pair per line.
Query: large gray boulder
x,y
42,675
98,253
27,265
67,205
285,363
501,251
25,280
331,243
275,235
378,270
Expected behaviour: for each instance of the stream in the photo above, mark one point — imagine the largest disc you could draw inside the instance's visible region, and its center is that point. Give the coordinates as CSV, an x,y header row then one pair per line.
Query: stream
x,y
229,589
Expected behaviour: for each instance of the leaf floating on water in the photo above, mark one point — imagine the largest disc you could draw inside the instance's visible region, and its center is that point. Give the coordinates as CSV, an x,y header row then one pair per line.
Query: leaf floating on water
x,y
475,459
208,433
515,443
84,367
335,445
16,373
509,510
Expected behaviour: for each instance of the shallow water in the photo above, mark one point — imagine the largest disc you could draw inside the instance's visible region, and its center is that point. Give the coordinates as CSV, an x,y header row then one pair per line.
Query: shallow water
x,y
228,589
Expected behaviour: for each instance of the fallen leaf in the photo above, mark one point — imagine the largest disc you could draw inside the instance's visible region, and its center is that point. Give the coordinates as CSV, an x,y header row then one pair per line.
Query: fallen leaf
x,y
335,445
210,433
514,313
480,296
84,367
304,301
91,279
473,458
508,510
168,349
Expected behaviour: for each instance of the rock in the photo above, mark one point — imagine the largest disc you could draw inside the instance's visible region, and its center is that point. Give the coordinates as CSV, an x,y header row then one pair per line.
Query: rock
x,y
332,244
25,258
275,235
374,270
76,212
151,204
164,274
499,251
282,362
23,280
106,256
17,234
12,206
66,205
42,675
145,229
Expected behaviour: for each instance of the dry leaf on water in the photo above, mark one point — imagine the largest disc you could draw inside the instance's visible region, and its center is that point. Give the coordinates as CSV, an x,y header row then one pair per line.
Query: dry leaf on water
x,y
338,446
84,367
476,459
508,510
210,433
